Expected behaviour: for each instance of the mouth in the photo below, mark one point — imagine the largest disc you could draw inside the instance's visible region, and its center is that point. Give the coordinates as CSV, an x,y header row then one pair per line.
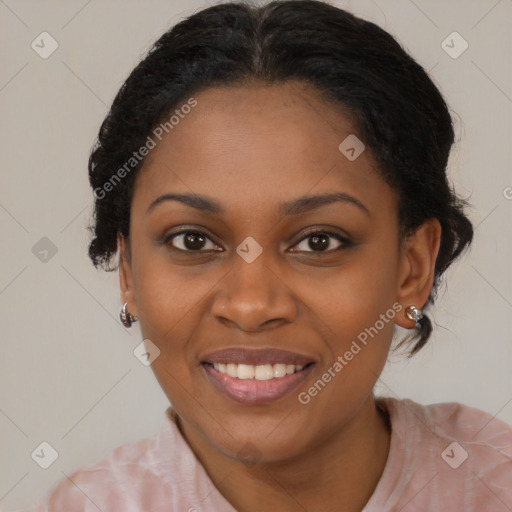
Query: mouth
x,y
251,377
266,371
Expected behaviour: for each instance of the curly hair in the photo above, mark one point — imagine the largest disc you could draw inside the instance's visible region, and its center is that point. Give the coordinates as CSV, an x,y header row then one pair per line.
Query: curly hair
x,y
398,111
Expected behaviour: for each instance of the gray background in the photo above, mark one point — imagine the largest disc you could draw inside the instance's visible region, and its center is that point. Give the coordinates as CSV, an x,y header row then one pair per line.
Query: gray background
x,y
68,373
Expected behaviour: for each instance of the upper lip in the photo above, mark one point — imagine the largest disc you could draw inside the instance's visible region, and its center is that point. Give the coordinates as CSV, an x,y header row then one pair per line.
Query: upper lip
x,y
244,355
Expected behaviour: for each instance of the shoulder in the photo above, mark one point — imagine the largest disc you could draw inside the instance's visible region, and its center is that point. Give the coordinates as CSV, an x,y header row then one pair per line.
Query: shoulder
x,y
468,451
114,481
158,473
456,422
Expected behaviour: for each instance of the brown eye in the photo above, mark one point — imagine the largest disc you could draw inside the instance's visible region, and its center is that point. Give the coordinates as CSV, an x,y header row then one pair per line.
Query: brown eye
x,y
321,241
191,241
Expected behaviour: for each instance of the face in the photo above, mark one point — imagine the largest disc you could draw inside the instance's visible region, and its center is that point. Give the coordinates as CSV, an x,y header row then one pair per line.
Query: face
x,y
258,277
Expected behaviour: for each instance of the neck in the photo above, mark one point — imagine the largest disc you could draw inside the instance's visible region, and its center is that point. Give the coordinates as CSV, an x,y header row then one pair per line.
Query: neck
x,y
341,472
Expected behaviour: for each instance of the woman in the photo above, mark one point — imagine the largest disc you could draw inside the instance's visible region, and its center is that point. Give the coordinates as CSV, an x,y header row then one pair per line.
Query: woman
x,y
273,182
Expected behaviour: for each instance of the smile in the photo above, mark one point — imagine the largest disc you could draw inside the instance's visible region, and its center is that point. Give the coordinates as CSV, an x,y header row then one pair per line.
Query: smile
x,y
251,376
257,372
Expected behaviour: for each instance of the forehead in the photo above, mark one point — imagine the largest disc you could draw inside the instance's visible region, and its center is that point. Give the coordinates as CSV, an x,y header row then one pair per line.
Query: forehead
x,y
258,141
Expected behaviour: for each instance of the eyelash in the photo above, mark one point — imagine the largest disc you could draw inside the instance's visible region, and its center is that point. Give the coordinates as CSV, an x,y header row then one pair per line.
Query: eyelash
x,y
344,241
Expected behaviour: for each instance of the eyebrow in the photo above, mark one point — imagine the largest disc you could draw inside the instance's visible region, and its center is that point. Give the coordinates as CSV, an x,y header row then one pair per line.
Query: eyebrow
x,y
294,207
307,203
195,201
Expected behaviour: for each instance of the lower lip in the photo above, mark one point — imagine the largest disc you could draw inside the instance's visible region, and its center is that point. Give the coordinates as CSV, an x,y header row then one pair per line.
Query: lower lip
x,y
252,391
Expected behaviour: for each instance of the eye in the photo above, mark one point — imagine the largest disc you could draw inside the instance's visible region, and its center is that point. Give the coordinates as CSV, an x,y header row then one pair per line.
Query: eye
x,y
321,241
191,241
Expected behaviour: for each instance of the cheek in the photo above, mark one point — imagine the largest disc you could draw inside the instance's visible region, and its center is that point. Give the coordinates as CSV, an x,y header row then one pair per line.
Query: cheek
x,y
351,298
356,306
361,328
170,302
170,309
359,309
164,292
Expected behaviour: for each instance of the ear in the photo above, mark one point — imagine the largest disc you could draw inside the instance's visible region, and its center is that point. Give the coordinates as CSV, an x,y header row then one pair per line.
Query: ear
x,y
416,276
125,275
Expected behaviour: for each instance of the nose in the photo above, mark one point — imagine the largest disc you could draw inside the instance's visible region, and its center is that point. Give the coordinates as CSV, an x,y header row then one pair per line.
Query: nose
x,y
253,297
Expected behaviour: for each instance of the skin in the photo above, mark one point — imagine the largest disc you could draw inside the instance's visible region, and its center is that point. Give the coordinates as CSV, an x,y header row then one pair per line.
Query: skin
x,y
252,148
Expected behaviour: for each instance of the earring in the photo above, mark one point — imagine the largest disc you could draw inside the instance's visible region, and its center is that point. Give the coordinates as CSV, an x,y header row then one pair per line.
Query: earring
x,y
126,318
413,313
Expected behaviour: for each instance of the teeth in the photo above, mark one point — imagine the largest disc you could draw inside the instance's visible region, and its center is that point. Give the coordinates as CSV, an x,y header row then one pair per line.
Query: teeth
x,y
231,370
245,371
257,372
263,372
279,370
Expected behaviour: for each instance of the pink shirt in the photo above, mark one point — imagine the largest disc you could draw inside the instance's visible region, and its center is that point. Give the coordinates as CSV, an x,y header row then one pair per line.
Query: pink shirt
x,y
443,457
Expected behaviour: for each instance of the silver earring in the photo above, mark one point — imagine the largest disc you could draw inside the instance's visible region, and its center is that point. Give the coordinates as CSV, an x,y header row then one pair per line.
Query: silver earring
x,y
413,313
126,317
